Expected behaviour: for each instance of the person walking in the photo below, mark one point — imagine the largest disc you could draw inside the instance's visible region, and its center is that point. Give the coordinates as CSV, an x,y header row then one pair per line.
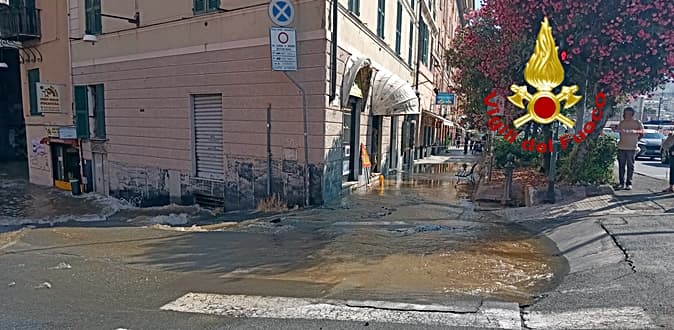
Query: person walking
x,y
465,144
668,146
631,131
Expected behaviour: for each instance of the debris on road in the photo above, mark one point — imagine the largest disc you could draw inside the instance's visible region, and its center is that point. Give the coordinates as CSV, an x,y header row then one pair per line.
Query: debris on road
x,y
62,265
11,284
44,285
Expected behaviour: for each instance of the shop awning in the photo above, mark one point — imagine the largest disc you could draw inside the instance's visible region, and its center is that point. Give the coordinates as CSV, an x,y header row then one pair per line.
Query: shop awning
x,y
393,96
353,65
444,121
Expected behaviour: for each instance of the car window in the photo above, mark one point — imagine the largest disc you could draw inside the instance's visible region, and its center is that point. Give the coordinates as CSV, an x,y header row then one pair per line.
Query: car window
x,y
653,136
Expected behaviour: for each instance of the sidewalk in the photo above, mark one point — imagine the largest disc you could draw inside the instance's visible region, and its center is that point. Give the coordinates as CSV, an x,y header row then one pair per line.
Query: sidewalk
x,y
618,248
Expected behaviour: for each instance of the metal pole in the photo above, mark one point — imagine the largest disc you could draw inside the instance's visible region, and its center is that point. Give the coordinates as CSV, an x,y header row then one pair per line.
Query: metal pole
x,y
641,106
306,138
269,170
553,166
659,108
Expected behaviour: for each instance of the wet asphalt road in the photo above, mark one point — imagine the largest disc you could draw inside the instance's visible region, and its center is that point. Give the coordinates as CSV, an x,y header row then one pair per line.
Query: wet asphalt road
x,y
415,240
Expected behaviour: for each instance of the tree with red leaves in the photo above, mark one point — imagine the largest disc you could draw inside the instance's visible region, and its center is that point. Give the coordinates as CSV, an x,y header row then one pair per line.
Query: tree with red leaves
x,y
621,47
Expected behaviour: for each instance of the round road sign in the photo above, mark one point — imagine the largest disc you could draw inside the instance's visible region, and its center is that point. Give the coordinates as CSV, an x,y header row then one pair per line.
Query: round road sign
x,y
281,12
283,38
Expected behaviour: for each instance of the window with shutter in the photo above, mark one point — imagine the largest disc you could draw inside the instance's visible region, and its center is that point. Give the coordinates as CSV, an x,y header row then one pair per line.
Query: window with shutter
x,y
33,79
354,6
410,46
99,111
81,112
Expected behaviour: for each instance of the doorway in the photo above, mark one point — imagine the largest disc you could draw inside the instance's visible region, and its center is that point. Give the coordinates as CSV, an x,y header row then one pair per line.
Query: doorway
x,y
65,165
13,150
375,145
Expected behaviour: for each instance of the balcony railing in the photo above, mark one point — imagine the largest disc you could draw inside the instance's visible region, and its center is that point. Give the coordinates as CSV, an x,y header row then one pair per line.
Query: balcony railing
x,y
19,23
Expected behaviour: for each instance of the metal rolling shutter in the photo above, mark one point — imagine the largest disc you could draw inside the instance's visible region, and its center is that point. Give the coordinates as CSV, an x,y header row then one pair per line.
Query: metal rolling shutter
x,y
208,139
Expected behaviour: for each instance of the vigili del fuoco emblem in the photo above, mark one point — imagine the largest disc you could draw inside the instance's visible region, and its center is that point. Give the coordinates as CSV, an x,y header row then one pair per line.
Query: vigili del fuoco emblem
x,y
544,72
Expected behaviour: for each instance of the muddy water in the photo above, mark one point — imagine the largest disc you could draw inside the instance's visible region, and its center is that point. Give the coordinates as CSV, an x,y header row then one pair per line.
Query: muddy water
x,y
418,235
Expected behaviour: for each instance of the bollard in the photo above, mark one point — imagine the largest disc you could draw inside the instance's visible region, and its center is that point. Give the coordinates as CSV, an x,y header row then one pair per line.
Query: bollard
x,y
509,167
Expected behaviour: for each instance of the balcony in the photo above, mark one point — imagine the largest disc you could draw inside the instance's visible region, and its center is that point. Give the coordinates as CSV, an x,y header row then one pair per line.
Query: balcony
x,y
19,23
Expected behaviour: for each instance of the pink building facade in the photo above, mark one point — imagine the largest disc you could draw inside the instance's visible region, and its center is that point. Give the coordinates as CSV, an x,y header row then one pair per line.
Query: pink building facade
x,y
184,106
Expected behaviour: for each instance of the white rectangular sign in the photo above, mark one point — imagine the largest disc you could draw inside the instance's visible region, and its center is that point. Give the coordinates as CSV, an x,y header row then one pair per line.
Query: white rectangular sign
x,y
283,49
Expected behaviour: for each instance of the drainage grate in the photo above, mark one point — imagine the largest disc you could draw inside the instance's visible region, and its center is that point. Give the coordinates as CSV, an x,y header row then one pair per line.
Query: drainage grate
x,y
209,201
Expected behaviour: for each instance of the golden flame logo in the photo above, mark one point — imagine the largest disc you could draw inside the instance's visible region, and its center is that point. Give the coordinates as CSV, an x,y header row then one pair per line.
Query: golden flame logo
x,y
544,72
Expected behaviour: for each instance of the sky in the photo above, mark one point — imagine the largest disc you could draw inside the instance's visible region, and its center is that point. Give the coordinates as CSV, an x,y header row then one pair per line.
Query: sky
x,y
477,3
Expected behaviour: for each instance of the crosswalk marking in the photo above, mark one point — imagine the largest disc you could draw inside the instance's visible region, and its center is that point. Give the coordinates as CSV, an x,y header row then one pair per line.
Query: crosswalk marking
x,y
494,315
503,316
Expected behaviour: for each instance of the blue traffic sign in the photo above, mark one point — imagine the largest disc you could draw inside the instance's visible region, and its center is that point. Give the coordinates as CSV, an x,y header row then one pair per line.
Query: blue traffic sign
x,y
444,98
281,12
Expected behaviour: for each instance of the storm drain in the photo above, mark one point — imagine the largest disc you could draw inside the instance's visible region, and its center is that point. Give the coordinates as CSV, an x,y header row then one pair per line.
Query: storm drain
x,y
209,201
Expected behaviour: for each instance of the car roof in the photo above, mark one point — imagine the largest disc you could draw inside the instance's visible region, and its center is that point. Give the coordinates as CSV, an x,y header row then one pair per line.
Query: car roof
x,y
651,131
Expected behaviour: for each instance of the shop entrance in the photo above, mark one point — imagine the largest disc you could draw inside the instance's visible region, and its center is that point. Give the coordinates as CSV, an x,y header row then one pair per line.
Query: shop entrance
x,y
66,165
13,151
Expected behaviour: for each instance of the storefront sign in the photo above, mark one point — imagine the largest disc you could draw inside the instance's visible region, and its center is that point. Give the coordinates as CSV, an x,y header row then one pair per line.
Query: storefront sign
x,y
53,132
49,97
444,98
67,133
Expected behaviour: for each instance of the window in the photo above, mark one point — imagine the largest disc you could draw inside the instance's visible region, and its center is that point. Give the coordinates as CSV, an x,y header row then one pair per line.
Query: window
x,y
99,110
354,6
83,109
205,6
410,51
423,39
399,27
92,10
381,16
33,79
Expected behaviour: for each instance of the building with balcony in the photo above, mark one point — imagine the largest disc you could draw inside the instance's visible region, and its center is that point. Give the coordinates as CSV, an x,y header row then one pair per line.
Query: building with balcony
x,y
176,101
34,44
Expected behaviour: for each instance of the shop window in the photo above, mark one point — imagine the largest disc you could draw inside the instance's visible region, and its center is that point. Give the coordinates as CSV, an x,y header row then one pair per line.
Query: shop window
x,y
205,6
92,9
33,79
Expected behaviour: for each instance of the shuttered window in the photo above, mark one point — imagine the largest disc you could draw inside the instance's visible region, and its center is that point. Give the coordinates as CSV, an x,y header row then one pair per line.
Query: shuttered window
x,y
423,31
82,112
208,138
99,111
33,79
92,9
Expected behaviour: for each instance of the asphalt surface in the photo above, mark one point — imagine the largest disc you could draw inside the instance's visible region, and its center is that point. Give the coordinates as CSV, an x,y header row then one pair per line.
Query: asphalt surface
x,y
618,274
653,168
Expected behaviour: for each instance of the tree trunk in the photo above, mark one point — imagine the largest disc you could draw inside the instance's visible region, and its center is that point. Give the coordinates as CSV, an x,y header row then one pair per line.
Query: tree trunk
x,y
547,135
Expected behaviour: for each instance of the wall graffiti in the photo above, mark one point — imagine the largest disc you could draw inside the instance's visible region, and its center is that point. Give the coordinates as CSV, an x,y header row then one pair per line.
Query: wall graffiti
x,y
38,157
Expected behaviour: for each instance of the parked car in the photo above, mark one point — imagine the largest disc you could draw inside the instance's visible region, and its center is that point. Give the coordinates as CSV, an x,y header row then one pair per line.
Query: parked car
x,y
650,144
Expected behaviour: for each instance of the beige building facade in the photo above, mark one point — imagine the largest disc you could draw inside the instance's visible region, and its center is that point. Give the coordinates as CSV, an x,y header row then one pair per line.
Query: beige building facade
x,y
176,101
37,31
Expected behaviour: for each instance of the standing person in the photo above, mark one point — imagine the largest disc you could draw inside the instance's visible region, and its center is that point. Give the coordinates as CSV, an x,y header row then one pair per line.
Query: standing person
x,y
631,131
668,146
465,144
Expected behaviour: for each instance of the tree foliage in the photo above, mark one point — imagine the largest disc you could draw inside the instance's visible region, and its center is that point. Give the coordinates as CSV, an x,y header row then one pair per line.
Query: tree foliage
x,y
624,48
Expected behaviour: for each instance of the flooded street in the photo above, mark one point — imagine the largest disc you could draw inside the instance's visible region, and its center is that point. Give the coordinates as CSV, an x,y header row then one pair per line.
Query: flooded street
x,y
411,236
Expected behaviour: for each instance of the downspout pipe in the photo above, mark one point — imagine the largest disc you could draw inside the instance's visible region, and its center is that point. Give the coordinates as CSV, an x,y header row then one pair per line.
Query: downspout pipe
x,y
333,52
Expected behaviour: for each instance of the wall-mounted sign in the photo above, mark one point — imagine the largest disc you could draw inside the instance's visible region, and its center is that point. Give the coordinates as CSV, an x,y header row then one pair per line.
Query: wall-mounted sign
x,y
444,98
283,49
67,133
49,97
53,132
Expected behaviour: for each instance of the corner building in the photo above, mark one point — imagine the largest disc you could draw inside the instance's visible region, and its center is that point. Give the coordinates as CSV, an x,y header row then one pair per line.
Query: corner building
x,y
182,105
